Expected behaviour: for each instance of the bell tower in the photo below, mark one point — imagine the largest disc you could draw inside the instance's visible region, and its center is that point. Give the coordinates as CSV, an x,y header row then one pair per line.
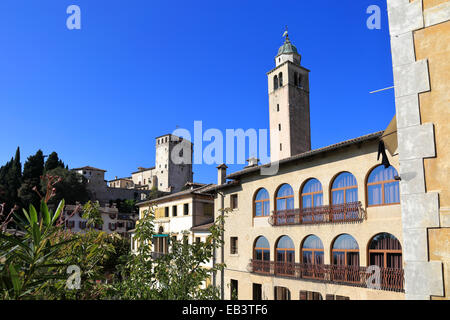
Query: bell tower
x,y
288,85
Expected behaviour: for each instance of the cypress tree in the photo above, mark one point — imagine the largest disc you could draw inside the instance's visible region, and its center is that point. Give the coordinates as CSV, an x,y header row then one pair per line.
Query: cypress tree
x,y
33,169
10,181
53,162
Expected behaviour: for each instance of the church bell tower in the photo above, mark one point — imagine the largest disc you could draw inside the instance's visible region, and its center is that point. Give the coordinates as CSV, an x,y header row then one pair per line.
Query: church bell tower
x,y
288,84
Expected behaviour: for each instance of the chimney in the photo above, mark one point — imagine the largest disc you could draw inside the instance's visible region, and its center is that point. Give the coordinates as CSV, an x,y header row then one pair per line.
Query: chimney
x,y
252,162
116,177
221,174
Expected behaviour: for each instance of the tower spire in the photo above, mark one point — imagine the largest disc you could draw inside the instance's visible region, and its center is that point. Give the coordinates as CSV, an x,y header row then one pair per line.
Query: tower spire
x,y
286,34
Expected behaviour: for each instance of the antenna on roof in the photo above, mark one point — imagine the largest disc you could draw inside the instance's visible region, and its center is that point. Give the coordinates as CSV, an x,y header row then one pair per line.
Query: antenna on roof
x,y
382,89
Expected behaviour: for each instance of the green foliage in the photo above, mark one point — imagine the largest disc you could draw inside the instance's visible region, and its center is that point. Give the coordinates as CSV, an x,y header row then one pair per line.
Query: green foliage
x,y
33,169
176,275
72,186
10,181
91,212
89,251
53,162
154,193
126,206
29,261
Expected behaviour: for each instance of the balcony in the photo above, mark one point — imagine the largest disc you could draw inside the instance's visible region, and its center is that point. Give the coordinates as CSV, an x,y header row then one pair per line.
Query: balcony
x,y
335,213
390,279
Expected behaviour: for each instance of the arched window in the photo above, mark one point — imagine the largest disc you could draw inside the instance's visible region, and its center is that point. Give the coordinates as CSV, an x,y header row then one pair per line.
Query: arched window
x,y
280,79
312,250
385,251
300,80
275,82
261,255
262,203
284,205
285,256
345,251
344,190
345,259
311,257
295,79
382,188
312,194
285,198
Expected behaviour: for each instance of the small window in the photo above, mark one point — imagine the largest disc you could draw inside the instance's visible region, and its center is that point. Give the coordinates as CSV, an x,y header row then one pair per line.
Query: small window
x,y
234,201
295,79
278,108
186,209
174,211
281,147
166,212
310,295
197,240
234,245
279,127
233,289
281,293
257,291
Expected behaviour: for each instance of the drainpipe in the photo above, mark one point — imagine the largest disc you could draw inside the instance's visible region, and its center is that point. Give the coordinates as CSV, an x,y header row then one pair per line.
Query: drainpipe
x,y
222,251
221,179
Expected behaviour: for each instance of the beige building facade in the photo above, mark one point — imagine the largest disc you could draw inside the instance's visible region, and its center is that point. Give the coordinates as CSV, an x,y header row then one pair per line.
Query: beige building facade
x,y
358,157
327,225
420,43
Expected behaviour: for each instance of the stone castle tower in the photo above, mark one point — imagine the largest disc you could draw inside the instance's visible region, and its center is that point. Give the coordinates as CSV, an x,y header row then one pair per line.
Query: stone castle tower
x,y
290,132
172,175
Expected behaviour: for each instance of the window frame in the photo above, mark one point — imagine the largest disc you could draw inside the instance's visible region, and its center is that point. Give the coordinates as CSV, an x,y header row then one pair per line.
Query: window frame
x,y
285,198
384,251
234,245
234,201
262,204
382,188
344,189
302,194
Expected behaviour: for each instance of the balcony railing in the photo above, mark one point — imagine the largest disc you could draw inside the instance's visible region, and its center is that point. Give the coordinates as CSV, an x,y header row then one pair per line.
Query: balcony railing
x,y
390,279
335,213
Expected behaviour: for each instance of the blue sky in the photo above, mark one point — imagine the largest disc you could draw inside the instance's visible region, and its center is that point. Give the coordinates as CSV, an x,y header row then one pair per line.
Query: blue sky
x,y
137,69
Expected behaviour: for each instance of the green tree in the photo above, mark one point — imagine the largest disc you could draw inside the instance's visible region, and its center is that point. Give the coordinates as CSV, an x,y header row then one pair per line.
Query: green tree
x,y
177,275
33,169
72,186
53,162
154,193
10,181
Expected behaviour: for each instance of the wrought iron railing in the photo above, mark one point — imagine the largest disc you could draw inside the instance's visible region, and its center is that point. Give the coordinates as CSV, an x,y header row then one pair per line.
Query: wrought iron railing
x,y
335,213
391,279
